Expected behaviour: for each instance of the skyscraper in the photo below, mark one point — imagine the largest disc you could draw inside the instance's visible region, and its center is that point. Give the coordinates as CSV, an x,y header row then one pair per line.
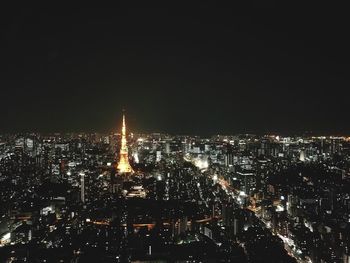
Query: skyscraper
x,y
82,187
124,165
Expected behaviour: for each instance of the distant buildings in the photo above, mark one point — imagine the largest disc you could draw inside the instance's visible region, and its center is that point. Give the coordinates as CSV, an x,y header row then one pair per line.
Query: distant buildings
x,y
224,198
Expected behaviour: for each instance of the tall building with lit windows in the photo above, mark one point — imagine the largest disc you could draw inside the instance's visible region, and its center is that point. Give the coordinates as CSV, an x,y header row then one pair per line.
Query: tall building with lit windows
x,y
123,164
82,187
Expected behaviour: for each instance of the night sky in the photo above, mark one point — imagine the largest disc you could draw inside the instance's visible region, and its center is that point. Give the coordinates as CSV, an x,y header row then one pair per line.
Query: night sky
x,y
198,69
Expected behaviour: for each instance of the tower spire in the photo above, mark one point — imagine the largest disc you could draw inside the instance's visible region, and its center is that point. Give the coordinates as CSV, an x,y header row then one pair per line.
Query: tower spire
x,y
124,165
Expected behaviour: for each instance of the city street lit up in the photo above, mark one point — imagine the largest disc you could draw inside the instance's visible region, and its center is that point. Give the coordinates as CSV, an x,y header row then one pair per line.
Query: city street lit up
x,y
175,132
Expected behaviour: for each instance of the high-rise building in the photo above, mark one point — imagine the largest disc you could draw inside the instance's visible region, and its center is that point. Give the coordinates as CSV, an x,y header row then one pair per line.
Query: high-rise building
x,y
167,147
302,155
158,156
229,159
82,187
124,165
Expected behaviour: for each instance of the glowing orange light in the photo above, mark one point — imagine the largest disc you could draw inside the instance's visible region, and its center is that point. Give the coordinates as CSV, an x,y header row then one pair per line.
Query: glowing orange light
x,y
124,165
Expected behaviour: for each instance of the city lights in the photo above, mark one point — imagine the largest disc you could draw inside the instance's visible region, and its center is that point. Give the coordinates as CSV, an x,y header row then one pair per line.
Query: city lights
x,y
234,145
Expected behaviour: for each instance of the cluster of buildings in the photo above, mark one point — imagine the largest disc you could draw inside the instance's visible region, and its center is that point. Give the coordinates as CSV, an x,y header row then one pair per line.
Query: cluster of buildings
x,y
127,197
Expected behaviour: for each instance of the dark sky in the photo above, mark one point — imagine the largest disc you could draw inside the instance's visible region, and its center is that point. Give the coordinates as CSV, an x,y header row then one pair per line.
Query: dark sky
x,y
200,69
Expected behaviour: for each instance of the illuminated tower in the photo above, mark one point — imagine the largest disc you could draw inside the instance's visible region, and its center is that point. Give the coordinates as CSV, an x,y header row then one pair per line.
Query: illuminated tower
x,y
123,165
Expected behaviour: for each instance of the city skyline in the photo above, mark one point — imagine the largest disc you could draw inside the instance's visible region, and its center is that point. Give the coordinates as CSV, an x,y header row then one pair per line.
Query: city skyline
x,y
175,133
218,199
